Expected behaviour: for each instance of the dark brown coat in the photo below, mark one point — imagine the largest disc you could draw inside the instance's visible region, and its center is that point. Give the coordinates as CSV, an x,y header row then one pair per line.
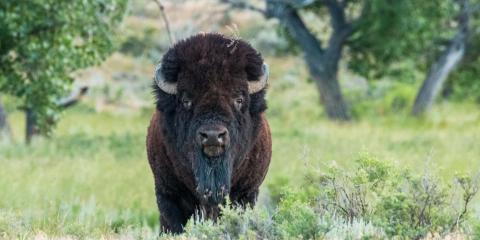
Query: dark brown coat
x,y
211,73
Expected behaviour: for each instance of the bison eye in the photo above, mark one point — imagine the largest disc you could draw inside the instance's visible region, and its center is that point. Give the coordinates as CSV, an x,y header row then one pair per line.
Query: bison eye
x,y
187,103
238,103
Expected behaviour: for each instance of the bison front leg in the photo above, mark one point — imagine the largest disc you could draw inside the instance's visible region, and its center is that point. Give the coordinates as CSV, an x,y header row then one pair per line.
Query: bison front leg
x,y
247,199
172,218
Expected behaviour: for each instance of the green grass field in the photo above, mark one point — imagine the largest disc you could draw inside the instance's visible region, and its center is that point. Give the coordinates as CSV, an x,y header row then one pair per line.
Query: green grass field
x,y
92,179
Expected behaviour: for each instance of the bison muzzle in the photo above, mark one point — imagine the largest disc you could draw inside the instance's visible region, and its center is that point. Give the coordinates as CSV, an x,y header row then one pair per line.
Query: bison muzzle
x,y
208,138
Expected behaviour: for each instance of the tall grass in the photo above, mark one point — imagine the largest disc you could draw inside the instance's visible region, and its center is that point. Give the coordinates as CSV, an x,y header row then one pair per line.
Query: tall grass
x,y
92,179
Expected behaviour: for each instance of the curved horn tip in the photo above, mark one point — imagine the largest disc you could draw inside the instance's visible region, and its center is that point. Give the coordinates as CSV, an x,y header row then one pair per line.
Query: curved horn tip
x,y
261,83
170,88
265,68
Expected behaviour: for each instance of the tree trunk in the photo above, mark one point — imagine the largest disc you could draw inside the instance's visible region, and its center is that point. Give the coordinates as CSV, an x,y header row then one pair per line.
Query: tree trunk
x,y
30,125
31,128
331,97
5,132
447,62
437,76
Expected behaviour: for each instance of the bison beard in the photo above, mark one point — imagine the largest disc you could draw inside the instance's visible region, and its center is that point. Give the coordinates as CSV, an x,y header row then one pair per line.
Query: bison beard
x,y
213,174
203,143
213,179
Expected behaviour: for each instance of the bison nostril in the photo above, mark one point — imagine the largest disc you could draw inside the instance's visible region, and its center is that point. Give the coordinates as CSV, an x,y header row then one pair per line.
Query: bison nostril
x,y
203,137
221,136
213,137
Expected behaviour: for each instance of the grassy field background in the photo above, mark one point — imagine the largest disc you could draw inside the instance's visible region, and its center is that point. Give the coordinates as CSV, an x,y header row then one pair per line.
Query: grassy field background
x,y
91,178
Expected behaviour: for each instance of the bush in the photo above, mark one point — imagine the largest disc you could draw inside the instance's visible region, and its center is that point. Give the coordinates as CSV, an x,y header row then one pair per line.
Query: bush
x,y
235,223
395,200
376,200
383,98
296,218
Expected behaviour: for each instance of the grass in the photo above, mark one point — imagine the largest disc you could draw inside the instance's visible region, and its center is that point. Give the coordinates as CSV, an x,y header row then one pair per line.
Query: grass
x,y
91,179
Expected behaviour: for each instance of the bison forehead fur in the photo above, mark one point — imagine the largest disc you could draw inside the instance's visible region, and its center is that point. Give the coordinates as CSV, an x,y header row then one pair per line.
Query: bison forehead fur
x,y
208,138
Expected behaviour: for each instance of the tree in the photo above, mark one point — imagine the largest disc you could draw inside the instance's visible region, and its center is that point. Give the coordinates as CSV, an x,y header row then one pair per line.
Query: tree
x,y
43,41
322,61
376,33
448,59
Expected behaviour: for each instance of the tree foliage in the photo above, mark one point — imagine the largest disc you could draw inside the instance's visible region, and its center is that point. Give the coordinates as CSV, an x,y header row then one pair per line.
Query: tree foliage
x,y
388,31
43,41
387,38
393,31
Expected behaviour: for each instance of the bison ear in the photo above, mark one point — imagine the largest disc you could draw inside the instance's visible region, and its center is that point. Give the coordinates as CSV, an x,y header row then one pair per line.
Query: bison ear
x,y
259,84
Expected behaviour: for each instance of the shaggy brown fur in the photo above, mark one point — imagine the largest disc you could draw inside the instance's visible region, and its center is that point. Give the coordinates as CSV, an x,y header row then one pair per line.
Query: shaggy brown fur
x,y
212,74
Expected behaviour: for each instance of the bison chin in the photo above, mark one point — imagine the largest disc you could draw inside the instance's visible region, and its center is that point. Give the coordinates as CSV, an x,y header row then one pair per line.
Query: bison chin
x,y
212,177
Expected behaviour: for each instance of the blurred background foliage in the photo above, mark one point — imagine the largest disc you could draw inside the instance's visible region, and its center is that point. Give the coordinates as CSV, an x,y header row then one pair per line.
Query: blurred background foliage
x,y
43,42
376,46
90,177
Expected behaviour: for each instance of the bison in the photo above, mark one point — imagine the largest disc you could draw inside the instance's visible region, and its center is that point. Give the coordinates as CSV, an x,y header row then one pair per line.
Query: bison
x,y
209,138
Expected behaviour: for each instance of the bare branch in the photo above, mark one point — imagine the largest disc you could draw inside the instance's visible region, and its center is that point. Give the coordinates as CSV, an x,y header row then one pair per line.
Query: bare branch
x,y
470,189
73,99
341,29
337,14
289,17
165,19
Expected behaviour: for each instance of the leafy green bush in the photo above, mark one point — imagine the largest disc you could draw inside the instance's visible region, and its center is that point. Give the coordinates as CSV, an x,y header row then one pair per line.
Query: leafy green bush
x,y
394,199
235,223
296,218
383,98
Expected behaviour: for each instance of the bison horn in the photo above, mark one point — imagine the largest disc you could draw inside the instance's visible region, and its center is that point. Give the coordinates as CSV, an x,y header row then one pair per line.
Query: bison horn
x,y
170,88
257,86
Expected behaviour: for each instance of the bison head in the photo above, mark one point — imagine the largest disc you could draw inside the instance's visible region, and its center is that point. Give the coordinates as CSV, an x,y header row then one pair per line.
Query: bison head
x,y
211,90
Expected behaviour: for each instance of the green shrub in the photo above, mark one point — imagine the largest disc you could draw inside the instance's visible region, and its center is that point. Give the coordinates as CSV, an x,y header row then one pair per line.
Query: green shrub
x,y
374,200
235,223
296,218
394,199
383,98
